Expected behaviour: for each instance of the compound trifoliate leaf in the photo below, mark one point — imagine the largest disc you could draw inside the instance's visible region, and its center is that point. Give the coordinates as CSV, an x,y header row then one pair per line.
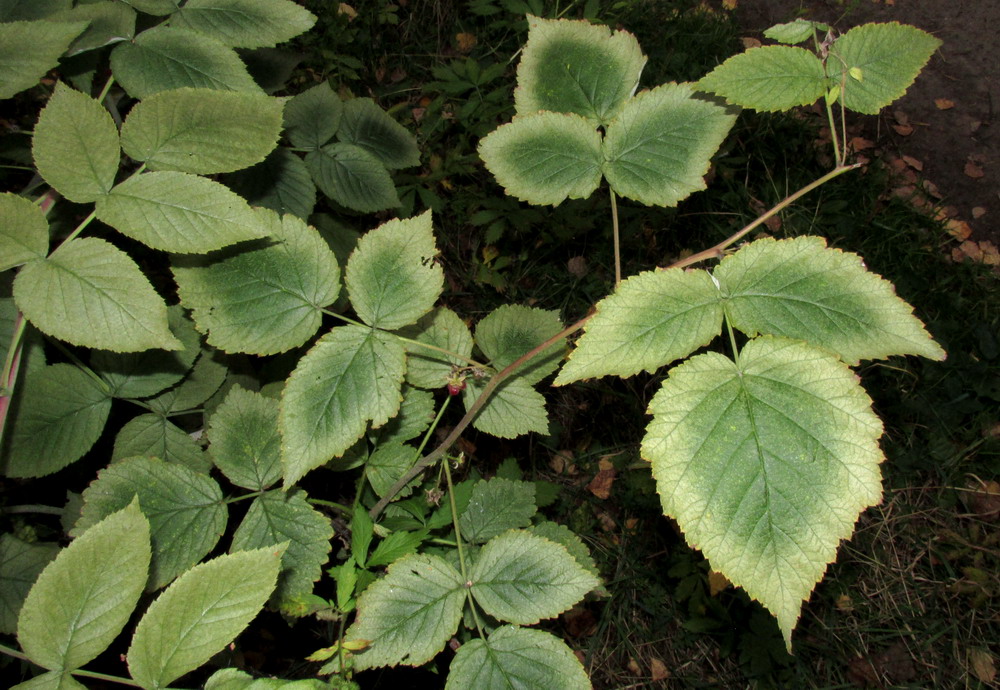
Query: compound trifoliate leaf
x,y
409,615
200,614
265,298
766,464
281,182
577,67
244,440
313,116
513,657
24,231
82,600
155,436
20,564
441,328
650,320
768,78
545,158
178,212
514,409
392,276
890,56
203,131
523,578
75,145
350,377
496,506
245,23
658,149
352,177
29,49
366,125
513,330
799,288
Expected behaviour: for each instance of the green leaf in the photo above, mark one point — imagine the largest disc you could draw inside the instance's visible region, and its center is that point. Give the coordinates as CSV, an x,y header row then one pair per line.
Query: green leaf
x,y
350,377
395,546
766,464
83,599
795,31
650,320
20,564
521,578
264,298
75,145
441,328
313,116
90,293
178,212
513,330
204,379
577,67
801,289
415,414
392,277
563,536
276,517
155,7
30,49
27,10
200,614
366,125
164,58
352,177
281,183
769,78
202,131
244,439
141,374
659,148
235,679
57,416
514,409
24,231
155,436
108,22
889,55
545,158
362,530
245,23
387,465
185,510
513,657
409,615
51,680
496,506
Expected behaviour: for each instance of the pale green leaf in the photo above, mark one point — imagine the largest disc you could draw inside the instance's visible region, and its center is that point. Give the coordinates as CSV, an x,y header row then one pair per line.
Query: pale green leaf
x,y
415,414
83,599
513,330
658,150
199,384
155,7
650,320
769,78
577,67
366,125
245,23
20,564
185,510
409,615
567,538
108,22
155,436
313,116
796,31
350,377
264,298
203,131
27,10
513,657
388,464
201,613
58,414
165,57
51,680
801,289
141,374
30,49
496,506
766,464
545,158
235,679
277,517
522,578
24,231
75,145
392,277
514,409
281,183
352,177
889,55
244,439
178,212
443,329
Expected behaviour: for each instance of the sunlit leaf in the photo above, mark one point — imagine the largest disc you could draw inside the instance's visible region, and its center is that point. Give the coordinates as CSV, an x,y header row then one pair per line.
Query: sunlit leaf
x,y
24,231
768,78
245,23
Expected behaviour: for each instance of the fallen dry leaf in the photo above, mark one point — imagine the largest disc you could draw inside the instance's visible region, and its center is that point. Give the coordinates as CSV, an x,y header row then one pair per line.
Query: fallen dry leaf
x,y
845,603
580,622
973,170
901,117
465,42
967,250
982,665
861,144
658,670
913,163
577,266
958,229
633,667
750,42
978,212
944,103
607,522
562,462
346,9
600,485
984,500
903,130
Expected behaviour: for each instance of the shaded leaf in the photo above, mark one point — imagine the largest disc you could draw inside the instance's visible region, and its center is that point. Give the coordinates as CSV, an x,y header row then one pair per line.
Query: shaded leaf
x,y
198,385
108,22
29,49
20,564
796,31
27,10
564,536
513,330
313,116
366,125
387,464
244,439
281,183
352,177
415,414
514,409
245,23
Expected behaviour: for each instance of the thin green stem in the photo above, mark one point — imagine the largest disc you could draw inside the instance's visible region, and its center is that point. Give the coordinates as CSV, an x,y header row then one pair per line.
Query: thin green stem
x,y
80,228
107,87
459,546
11,365
237,499
732,341
339,507
77,672
17,167
833,132
615,238
432,428
31,509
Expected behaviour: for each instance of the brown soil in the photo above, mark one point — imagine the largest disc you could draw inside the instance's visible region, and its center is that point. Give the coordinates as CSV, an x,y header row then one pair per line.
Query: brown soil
x,y
958,146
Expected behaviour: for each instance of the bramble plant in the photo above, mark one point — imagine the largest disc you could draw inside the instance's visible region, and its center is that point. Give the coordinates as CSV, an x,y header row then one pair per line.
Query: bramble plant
x,y
765,457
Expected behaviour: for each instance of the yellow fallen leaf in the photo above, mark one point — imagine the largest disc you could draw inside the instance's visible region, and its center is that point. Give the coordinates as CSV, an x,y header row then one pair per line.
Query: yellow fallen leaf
x,y
344,8
974,171
982,665
466,42
978,212
658,670
729,4
944,103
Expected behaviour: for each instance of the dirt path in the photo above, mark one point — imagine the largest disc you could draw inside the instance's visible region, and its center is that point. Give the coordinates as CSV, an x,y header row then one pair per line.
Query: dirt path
x,y
950,111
